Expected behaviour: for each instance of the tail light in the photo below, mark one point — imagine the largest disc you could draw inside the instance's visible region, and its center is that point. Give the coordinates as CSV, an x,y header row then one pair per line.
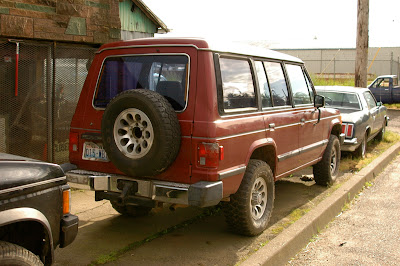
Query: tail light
x,y
73,141
66,194
348,130
209,154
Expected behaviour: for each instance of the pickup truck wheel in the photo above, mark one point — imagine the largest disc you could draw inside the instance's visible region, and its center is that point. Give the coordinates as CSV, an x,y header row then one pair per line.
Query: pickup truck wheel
x,y
131,210
381,133
326,171
250,208
362,149
11,254
140,132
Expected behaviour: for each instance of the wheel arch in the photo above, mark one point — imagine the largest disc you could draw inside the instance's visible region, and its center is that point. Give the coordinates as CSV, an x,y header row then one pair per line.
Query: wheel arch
x,y
13,223
264,150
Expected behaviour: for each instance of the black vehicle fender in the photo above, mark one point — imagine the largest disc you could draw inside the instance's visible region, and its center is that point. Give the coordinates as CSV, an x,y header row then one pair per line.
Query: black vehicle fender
x,y
25,214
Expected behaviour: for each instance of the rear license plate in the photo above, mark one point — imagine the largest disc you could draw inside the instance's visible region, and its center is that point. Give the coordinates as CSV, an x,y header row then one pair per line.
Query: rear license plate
x,y
94,152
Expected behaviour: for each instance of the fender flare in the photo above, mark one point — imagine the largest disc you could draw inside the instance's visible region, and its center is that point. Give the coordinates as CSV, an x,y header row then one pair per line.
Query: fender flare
x,y
26,214
261,143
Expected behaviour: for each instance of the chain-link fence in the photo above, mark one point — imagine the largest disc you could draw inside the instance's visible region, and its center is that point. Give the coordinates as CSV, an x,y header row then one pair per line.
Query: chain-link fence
x,y
39,90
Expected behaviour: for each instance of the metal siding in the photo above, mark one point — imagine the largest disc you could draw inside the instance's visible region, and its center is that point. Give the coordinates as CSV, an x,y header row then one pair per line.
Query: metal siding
x,y
135,21
330,61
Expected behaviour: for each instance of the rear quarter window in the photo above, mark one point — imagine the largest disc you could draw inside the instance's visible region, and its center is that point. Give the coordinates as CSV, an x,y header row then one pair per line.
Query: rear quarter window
x,y
237,85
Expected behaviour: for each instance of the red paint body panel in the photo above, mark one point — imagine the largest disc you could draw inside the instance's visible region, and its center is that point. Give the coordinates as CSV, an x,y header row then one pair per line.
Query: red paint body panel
x,y
284,130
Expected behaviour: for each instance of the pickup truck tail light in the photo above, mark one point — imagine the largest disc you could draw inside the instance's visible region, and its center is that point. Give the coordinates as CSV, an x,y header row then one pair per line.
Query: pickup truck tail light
x,y
348,129
209,154
73,141
66,194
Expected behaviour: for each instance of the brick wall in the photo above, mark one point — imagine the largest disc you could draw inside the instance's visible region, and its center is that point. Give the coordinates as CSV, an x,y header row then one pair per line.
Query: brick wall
x,y
89,21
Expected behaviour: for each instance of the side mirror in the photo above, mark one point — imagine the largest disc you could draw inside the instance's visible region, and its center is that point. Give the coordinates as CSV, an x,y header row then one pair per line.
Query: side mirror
x,y
379,104
319,101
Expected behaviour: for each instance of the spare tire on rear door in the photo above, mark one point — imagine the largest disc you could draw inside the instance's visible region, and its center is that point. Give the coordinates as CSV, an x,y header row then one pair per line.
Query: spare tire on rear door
x,y
140,132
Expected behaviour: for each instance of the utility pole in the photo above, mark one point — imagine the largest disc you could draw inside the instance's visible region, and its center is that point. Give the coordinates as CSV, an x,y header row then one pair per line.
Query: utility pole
x,y
362,44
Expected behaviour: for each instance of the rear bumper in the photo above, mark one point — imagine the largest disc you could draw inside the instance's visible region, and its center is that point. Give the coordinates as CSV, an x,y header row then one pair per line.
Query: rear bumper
x,y
146,192
350,145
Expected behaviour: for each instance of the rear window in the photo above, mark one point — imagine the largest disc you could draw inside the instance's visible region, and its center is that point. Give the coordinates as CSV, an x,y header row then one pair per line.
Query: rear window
x,y
341,100
165,74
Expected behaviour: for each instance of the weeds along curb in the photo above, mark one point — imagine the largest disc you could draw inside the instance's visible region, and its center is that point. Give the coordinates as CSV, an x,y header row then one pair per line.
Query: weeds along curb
x,y
286,245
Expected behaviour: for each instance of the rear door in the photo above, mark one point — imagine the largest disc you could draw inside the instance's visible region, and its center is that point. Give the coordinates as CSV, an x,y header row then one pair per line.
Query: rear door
x,y
375,112
310,131
282,120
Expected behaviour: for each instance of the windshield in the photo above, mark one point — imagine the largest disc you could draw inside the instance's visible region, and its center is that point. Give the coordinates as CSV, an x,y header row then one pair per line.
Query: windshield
x,y
165,74
341,100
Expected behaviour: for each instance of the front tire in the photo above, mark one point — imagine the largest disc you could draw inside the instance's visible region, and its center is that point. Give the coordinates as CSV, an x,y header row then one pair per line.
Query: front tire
x,y
250,208
11,254
326,171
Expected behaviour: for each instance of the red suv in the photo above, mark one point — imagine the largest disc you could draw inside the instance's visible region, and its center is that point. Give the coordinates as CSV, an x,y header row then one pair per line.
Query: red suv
x,y
183,121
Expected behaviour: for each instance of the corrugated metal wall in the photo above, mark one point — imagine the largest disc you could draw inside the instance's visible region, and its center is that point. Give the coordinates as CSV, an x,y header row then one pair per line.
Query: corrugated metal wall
x,y
342,61
133,19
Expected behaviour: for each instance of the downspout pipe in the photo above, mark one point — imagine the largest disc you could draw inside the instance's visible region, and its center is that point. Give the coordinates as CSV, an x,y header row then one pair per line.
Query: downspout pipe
x,y
17,42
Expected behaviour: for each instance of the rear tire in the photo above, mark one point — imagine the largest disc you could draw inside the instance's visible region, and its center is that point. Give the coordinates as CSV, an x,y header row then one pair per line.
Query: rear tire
x,y
11,254
381,134
362,149
131,210
250,208
326,171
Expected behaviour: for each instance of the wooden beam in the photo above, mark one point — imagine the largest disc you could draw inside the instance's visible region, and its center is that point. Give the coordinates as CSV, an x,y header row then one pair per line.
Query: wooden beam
x,y
362,44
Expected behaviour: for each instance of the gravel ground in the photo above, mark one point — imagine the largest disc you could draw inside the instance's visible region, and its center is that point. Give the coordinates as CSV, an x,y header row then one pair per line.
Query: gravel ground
x,y
367,233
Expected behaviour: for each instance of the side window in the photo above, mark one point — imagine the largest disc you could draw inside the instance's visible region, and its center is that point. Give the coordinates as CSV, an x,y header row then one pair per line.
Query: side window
x,y
384,83
395,82
371,102
276,78
309,87
298,84
237,84
263,83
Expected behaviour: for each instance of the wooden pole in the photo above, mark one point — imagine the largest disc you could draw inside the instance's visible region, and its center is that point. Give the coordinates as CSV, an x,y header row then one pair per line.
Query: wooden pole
x,y
362,44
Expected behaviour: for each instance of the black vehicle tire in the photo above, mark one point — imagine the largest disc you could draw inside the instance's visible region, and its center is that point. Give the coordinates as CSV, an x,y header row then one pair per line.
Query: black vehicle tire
x,y
11,254
131,210
140,132
326,170
362,149
250,208
381,134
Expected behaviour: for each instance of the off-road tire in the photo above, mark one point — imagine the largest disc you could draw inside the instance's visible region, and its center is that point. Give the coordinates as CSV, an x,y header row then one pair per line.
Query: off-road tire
x,y
165,132
131,210
381,134
240,210
326,170
11,254
362,148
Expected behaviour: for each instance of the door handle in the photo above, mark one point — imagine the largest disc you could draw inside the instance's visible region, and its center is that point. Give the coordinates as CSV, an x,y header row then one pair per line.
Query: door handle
x,y
302,121
272,125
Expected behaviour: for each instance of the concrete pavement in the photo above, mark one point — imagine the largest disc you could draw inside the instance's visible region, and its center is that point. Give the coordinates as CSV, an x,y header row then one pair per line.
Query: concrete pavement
x,y
367,233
